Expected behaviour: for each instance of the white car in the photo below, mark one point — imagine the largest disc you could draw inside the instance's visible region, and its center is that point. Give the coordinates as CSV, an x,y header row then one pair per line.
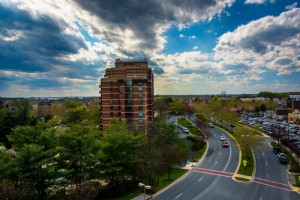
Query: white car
x,y
210,125
222,138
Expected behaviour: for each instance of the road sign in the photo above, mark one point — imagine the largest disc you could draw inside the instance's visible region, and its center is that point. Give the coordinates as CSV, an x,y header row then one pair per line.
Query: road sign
x,y
245,162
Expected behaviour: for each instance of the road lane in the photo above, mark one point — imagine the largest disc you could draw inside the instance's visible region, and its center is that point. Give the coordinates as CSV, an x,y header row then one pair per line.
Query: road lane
x,y
268,166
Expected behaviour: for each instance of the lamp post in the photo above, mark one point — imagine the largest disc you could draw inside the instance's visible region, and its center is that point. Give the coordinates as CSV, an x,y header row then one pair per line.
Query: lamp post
x,y
145,187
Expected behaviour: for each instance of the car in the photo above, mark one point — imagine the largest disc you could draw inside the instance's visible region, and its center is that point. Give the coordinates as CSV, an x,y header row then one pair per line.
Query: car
x,y
210,125
283,160
222,138
186,130
232,125
281,155
225,144
277,150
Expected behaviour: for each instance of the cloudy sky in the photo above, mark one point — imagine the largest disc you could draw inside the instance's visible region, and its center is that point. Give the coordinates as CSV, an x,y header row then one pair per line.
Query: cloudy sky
x,y
62,47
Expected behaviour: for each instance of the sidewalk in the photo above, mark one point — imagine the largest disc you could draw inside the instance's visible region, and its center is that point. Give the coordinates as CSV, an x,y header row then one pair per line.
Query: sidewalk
x,y
143,197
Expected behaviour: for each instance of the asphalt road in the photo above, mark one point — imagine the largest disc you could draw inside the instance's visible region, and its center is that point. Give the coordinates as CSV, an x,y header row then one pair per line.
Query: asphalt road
x,y
212,178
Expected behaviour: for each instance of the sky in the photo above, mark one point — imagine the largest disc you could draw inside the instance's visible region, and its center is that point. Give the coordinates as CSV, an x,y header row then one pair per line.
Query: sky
x,y
56,48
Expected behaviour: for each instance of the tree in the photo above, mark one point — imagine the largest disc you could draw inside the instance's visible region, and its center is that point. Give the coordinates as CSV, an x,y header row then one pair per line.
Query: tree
x,y
119,147
202,124
160,107
277,132
78,147
248,139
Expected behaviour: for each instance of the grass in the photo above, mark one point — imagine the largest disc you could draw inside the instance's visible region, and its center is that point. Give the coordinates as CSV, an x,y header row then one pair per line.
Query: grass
x,y
248,170
294,165
297,181
176,173
193,130
242,179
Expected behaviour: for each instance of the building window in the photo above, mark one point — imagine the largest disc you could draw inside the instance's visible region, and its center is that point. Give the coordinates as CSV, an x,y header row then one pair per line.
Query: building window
x,y
128,83
111,101
140,101
111,83
119,107
140,108
111,96
111,114
111,108
140,88
140,94
141,120
111,89
141,114
119,114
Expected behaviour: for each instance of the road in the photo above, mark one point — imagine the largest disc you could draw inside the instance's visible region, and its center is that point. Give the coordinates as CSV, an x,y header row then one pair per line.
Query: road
x,y
212,178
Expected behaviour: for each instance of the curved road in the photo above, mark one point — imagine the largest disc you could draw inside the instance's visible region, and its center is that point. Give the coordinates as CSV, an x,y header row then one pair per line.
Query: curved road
x,y
212,178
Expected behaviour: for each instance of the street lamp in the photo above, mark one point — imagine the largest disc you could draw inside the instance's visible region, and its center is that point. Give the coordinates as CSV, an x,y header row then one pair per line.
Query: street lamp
x,y
145,187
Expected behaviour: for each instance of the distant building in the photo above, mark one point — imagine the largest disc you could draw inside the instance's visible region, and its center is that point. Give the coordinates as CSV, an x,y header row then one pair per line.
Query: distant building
x,y
294,117
293,102
127,94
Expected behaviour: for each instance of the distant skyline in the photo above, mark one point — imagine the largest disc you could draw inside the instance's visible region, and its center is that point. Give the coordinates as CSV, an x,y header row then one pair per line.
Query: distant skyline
x,y
62,47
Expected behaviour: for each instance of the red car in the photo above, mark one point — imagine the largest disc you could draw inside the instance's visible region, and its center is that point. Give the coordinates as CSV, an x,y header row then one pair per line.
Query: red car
x,y
225,144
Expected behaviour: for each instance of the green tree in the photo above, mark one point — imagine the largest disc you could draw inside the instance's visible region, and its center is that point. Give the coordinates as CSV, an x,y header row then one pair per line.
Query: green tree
x,y
248,139
78,147
119,148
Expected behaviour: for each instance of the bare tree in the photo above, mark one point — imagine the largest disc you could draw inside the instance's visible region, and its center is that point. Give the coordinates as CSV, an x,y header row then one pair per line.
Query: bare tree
x,y
202,125
277,132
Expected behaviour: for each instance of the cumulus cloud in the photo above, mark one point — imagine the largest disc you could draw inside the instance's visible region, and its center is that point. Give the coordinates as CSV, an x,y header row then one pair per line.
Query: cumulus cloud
x,y
181,35
266,42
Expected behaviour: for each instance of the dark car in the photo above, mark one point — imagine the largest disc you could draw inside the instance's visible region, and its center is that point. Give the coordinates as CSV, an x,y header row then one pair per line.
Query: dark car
x,y
282,160
225,144
277,150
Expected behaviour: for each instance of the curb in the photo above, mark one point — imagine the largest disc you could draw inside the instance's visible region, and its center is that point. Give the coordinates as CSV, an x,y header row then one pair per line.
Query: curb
x,y
184,175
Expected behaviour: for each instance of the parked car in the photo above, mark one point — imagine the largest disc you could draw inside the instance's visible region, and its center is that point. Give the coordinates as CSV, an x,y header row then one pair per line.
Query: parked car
x,y
225,144
281,155
277,150
283,160
222,138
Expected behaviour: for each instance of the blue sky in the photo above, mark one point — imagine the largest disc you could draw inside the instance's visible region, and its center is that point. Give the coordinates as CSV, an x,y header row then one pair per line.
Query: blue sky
x,y
62,47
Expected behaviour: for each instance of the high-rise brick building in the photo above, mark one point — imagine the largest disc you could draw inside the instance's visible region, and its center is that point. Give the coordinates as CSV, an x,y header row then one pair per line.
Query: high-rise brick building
x,y
127,93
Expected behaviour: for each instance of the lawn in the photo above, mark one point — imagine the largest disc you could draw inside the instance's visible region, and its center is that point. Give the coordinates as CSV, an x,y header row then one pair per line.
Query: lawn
x,y
176,173
297,181
193,129
248,170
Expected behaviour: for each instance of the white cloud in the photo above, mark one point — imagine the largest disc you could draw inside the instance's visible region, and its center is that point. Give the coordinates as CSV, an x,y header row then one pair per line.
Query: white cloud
x,y
195,47
259,1
192,37
272,42
181,35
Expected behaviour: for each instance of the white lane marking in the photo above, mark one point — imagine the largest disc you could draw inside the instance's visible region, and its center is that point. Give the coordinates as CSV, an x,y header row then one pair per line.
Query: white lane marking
x,y
220,153
178,196
263,153
267,175
260,198
229,156
200,179
216,162
266,163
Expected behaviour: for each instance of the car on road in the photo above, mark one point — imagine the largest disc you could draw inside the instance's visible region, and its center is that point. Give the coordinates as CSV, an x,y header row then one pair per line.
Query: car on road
x,y
225,144
222,138
277,150
210,125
